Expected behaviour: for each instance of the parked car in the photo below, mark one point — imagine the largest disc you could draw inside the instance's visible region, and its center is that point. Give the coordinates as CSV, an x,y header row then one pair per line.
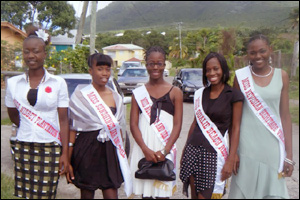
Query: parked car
x,y
166,73
188,80
73,80
132,78
128,64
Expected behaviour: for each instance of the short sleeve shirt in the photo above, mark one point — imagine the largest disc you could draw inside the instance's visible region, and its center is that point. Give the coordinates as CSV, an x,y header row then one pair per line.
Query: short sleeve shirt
x,y
219,111
52,94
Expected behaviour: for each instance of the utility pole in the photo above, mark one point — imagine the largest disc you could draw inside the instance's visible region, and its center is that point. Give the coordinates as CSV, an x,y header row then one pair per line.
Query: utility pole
x,y
179,27
295,59
81,22
93,26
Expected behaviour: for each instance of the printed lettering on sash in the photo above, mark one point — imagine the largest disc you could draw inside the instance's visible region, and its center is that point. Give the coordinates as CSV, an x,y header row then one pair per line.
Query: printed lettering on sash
x,y
37,120
214,137
261,110
112,128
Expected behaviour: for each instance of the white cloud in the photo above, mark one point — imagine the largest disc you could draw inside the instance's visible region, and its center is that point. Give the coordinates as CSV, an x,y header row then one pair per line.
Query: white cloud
x,y
79,4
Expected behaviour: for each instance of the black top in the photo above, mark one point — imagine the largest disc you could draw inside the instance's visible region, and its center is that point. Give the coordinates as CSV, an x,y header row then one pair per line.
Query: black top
x,y
163,103
219,111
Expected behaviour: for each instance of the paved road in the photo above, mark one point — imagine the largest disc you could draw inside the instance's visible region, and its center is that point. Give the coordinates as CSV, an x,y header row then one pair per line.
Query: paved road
x,y
69,191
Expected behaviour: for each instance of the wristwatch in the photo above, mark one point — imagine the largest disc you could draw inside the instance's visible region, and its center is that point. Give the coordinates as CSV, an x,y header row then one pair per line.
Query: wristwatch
x,y
164,152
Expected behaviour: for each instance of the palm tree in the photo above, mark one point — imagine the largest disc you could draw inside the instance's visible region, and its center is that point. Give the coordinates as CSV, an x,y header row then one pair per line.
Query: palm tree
x,y
294,18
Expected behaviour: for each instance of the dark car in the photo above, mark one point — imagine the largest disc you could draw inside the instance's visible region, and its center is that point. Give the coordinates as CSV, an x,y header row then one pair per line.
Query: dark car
x,y
73,80
132,78
188,80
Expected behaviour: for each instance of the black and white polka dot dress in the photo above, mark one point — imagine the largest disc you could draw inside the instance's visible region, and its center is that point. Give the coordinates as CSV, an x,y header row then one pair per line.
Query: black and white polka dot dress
x,y
200,163
199,158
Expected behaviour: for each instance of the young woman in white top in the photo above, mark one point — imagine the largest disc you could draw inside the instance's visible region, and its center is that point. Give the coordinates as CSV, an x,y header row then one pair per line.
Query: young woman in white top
x,y
37,102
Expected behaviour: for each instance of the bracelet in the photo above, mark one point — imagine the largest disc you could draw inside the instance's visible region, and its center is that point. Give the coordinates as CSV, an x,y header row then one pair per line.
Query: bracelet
x,y
163,152
290,161
71,144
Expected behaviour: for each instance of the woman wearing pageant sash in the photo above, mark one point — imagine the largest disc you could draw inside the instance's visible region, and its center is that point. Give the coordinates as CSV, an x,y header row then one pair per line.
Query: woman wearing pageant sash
x,y
163,103
96,112
206,160
265,149
38,104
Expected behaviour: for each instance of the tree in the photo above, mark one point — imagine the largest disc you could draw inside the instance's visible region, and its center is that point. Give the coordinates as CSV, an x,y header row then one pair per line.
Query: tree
x,y
294,19
57,16
15,12
81,22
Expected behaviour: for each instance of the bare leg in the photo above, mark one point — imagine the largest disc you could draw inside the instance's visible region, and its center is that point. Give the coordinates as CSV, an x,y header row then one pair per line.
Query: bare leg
x,y
87,194
193,188
200,196
110,193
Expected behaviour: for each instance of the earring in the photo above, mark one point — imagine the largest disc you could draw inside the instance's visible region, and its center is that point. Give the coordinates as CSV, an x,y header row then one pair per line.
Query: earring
x,y
270,60
250,64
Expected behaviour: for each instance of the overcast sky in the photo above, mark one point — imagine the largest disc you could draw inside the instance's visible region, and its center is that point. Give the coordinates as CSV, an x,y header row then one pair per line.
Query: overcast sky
x,y
79,4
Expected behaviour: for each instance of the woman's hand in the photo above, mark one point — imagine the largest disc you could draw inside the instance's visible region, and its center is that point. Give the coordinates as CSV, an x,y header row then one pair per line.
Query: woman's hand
x,y
236,164
227,170
70,175
63,164
287,169
160,157
150,155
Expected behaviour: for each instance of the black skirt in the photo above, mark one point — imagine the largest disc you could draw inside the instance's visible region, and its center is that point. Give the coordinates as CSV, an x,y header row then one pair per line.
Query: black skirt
x,y
95,164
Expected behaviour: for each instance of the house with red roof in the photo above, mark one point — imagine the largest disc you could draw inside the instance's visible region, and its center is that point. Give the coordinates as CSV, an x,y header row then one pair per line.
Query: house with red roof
x,y
124,52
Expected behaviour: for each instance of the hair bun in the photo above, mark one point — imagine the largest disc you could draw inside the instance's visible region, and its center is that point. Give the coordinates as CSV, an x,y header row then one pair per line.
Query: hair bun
x,y
33,31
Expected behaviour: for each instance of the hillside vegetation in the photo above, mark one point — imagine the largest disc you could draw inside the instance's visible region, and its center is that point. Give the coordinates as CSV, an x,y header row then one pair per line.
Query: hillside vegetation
x,y
124,15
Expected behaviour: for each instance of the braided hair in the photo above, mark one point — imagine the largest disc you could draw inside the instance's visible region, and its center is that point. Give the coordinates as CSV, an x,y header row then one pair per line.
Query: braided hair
x,y
258,37
154,49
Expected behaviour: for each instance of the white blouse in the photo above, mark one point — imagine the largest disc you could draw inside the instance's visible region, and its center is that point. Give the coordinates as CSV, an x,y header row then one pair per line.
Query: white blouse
x,y
52,94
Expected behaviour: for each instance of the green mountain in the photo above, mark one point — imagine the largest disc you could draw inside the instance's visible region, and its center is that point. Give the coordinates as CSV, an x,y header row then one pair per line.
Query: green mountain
x,y
123,15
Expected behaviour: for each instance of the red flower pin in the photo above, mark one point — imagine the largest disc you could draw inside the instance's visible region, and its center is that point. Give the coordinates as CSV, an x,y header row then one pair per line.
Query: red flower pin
x,y
48,89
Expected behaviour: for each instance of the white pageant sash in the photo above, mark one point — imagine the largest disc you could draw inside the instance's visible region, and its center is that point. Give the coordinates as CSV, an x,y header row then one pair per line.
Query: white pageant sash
x,y
161,129
38,120
214,137
261,110
112,128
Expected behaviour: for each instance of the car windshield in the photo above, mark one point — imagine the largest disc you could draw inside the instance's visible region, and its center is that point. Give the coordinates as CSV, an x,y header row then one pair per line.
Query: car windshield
x,y
72,84
192,76
128,65
135,73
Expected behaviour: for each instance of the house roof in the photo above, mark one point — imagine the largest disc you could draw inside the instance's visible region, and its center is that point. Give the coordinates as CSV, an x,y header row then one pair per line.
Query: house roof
x,y
134,59
13,28
64,39
123,47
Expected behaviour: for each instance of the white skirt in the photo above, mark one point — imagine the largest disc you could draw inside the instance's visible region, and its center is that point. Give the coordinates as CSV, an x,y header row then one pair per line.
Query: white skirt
x,y
151,188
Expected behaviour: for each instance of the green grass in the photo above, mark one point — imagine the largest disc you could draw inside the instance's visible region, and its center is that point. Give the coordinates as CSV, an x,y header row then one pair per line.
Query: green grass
x,y
6,121
294,89
7,187
294,110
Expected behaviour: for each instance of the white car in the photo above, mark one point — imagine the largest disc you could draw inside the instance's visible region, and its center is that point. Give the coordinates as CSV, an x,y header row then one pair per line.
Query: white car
x,y
166,73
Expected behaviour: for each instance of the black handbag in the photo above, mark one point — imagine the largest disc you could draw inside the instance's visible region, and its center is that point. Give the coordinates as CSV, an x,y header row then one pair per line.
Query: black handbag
x,y
162,171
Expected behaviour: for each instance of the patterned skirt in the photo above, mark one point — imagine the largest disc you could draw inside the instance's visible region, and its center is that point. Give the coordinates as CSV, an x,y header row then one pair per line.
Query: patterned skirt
x,y
36,169
200,164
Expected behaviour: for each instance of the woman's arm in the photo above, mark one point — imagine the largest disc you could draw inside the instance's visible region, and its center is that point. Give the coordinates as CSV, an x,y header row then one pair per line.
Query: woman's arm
x,y
70,174
234,137
14,116
177,119
64,135
286,123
